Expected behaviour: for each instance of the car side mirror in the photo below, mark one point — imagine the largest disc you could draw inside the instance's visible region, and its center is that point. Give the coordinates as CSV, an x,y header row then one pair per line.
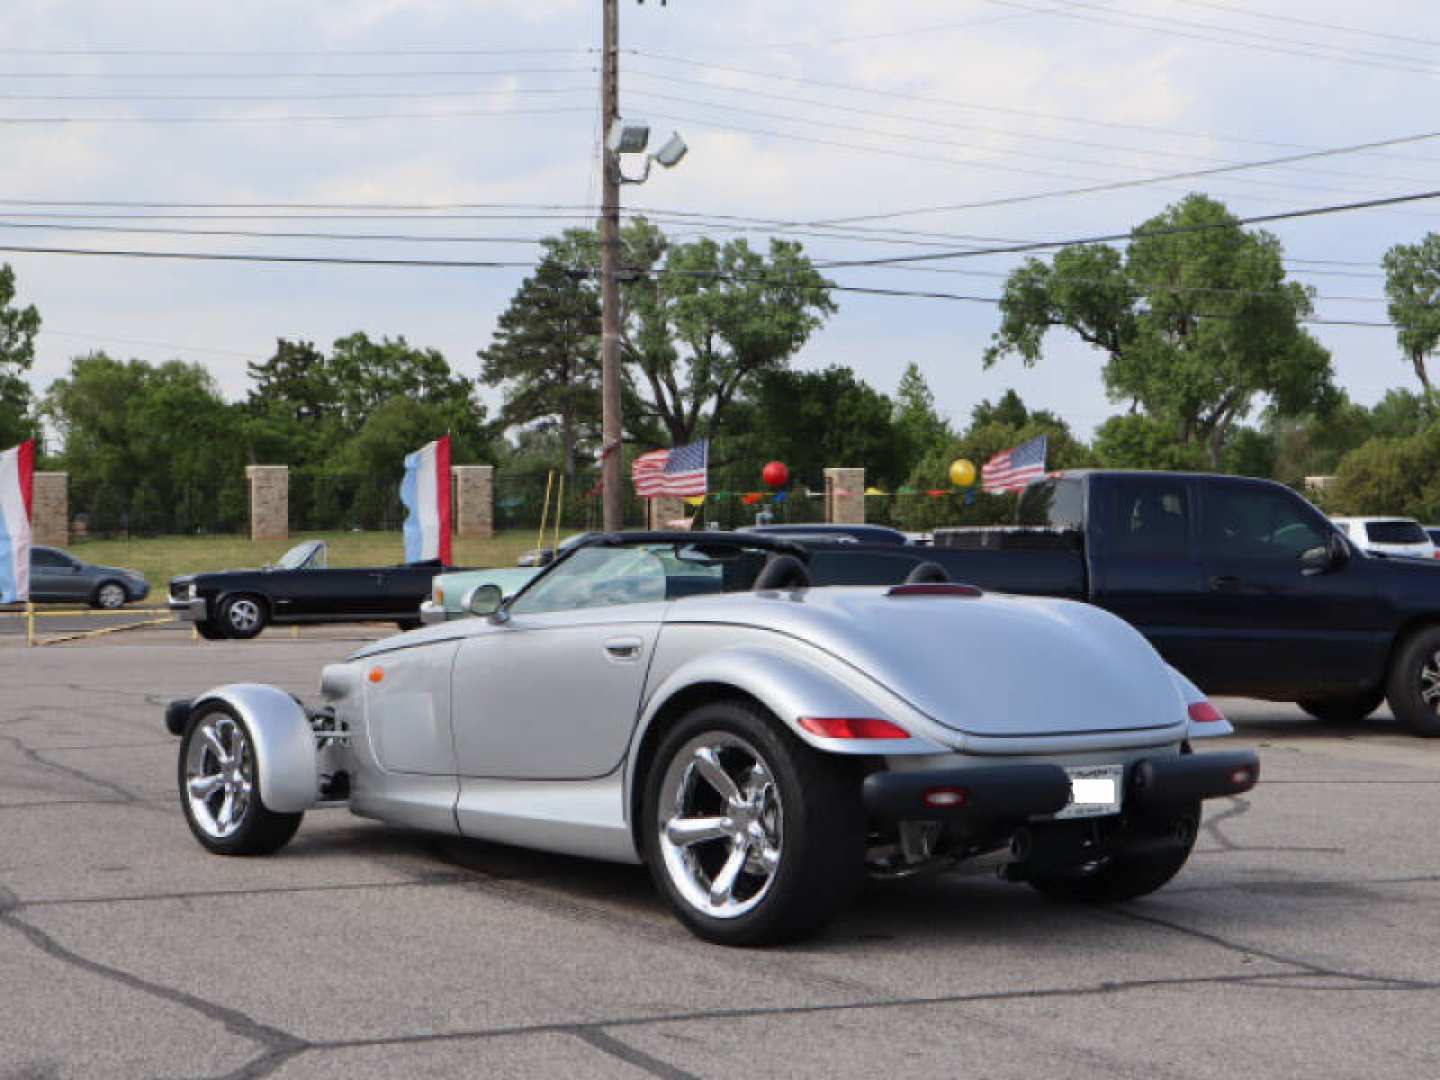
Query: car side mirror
x,y
486,602
1323,559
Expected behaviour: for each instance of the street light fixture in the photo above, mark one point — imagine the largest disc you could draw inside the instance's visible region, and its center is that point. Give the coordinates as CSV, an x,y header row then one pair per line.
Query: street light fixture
x,y
629,138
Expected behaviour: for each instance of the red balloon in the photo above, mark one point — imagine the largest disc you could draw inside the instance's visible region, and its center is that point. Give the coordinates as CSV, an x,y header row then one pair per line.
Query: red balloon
x,y
775,474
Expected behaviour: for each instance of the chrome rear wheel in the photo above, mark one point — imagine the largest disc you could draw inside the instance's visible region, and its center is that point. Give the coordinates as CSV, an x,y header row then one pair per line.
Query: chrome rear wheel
x,y
721,829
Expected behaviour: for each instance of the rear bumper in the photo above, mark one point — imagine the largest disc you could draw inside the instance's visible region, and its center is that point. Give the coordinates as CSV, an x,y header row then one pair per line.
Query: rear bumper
x,y
194,610
984,796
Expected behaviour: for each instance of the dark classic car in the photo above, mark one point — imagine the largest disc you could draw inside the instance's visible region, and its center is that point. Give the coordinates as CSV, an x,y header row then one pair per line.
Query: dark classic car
x,y
301,589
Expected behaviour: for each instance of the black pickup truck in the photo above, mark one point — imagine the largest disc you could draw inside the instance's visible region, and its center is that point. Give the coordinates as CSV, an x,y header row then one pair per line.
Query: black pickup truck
x,y
1241,584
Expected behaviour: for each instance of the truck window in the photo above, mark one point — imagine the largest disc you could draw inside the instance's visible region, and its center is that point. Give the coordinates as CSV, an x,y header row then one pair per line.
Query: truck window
x,y
1149,517
1057,504
1259,523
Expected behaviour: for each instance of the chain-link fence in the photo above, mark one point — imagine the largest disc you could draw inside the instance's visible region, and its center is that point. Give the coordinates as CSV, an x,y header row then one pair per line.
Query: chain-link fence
x,y
190,509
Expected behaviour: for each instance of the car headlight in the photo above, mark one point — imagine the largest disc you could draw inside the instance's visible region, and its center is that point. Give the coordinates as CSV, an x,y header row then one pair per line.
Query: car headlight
x,y
190,591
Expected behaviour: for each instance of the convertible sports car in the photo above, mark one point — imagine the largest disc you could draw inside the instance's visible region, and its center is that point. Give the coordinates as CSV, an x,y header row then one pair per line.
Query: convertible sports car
x,y
301,588
691,701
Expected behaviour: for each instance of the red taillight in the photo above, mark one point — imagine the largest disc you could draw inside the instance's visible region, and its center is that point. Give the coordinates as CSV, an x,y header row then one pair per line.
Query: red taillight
x,y
945,798
1242,778
1202,712
934,588
1437,553
852,727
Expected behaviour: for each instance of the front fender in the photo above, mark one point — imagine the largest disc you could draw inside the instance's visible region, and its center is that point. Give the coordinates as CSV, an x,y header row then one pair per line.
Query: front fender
x,y
792,687
285,762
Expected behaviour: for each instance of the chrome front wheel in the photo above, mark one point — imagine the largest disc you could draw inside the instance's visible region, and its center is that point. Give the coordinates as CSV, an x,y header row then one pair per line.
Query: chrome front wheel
x,y
110,596
220,787
219,775
721,831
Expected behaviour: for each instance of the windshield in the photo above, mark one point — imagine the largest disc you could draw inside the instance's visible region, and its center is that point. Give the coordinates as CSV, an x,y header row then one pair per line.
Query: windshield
x,y
307,556
1395,532
640,574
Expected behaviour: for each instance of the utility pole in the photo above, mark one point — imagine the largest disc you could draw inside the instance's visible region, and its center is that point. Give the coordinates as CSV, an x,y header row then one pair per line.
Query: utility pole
x,y
611,458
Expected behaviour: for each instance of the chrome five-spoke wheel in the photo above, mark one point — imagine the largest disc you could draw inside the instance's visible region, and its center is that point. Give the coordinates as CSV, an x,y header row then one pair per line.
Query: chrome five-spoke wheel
x,y
721,824
219,775
1430,682
243,615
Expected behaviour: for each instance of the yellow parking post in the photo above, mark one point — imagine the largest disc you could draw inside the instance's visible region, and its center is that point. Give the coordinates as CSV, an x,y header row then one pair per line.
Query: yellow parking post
x,y
30,623
559,510
545,511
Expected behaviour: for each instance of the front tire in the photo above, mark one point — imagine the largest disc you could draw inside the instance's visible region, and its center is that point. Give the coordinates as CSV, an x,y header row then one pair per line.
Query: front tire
x,y
220,788
1350,709
1413,688
109,595
1122,878
753,837
243,617
208,632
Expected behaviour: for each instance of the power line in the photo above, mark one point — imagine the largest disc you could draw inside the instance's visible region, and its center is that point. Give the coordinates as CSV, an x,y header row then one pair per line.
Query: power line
x,y
1408,39
1008,132
1172,27
23,121
1287,185
1288,215
322,260
273,235
270,76
12,51
368,95
855,88
45,330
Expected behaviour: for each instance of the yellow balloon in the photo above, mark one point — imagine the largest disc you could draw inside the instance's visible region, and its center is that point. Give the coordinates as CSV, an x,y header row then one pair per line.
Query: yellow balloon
x,y
962,472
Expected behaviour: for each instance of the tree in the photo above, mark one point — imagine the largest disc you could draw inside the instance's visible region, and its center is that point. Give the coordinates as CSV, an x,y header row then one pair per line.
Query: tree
x,y
297,380
1412,282
1196,321
810,420
146,445
707,319
18,327
1390,476
547,348
922,428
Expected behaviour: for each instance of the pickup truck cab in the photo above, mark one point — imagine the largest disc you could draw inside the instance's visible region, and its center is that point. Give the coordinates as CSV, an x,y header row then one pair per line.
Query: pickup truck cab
x,y
1239,583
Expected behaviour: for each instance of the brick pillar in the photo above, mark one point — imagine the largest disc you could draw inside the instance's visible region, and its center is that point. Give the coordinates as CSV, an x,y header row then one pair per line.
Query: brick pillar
x,y
50,512
658,512
845,496
269,501
475,500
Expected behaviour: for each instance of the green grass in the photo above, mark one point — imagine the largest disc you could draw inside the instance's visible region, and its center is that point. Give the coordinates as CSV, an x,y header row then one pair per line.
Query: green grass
x,y
162,557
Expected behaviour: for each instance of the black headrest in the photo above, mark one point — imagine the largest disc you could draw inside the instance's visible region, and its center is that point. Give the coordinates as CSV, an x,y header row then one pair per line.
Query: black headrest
x,y
927,573
783,572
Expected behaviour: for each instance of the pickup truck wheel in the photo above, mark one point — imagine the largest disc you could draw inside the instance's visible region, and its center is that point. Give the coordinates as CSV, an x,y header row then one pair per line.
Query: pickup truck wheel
x,y
220,788
1413,688
242,617
1350,709
1124,878
753,837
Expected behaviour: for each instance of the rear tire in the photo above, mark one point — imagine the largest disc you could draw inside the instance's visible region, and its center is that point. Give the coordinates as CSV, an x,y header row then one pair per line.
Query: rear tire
x,y
1350,709
783,851
220,788
243,617
1413,687
1120,879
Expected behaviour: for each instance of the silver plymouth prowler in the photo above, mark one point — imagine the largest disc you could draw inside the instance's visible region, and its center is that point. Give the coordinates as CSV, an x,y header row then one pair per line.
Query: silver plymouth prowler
x,y
761,742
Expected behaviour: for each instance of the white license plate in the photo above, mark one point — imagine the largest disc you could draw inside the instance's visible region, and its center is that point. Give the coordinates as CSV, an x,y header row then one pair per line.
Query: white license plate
x,y
1094,791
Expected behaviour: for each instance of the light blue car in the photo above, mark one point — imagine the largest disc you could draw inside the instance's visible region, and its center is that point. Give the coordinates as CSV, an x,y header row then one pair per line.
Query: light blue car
x,y
447,597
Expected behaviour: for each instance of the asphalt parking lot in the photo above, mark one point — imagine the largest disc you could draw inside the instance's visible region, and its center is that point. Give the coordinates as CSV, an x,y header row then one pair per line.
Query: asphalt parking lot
x,y
1303,939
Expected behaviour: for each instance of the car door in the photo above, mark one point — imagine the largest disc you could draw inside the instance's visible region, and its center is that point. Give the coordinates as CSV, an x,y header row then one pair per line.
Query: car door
x,y
1270,626
553,693
55,576
1143,564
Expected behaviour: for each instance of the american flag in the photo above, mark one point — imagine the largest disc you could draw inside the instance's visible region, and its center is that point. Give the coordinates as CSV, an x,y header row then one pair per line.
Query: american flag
x,y
1011,470
679,473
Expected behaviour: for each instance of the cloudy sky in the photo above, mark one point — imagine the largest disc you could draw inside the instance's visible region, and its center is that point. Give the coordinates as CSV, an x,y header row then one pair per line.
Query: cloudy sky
x,y
473,123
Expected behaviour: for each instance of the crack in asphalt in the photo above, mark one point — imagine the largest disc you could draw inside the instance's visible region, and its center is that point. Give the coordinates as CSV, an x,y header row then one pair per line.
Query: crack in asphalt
x,y
1239,808
126,795
1309,967
609,1045
277,1046
221,894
